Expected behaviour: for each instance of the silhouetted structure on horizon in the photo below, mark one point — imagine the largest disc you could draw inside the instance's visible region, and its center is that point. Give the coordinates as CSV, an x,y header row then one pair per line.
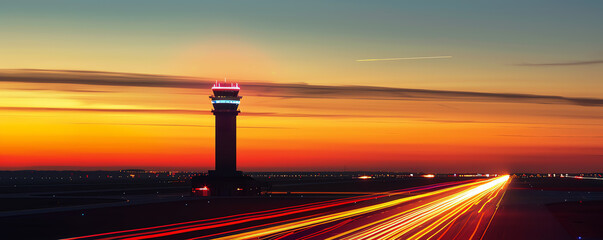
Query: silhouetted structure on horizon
x,y
226,101
225,180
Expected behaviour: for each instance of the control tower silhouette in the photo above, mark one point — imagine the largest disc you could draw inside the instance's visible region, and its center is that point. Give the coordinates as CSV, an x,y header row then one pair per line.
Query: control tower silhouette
x,y
226,102
225,180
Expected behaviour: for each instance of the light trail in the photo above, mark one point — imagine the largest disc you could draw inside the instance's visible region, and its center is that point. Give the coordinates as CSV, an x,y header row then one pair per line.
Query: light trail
x,y
434,213
191,226
591,178
444,209
431,214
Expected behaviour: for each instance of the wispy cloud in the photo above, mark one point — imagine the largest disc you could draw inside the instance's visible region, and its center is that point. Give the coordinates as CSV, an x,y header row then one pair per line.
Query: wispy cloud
x,y
150,124
178,125
64,90
113,110
561,64
188,111
401,58
548,136
283,90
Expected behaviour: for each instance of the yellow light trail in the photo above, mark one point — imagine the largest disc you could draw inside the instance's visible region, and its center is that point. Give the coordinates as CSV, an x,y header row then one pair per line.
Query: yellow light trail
x,y
393,227
400,224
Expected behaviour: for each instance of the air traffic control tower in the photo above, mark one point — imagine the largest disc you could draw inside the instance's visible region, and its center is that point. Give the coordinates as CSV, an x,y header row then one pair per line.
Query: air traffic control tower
x,y
226,101
225,180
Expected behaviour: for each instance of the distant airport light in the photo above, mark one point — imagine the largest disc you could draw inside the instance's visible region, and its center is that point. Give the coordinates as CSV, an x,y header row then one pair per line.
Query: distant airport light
x,y
365,177
204,191
428,176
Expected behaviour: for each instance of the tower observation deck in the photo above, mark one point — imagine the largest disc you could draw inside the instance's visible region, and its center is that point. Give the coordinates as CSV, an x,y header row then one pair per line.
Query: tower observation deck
x,y
225,101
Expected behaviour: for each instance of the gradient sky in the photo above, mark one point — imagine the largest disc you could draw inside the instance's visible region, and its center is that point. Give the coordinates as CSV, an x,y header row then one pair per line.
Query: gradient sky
x,y
114,84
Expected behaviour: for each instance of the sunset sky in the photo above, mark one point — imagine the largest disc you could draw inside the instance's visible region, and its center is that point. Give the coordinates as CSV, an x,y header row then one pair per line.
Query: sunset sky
x,y
512,86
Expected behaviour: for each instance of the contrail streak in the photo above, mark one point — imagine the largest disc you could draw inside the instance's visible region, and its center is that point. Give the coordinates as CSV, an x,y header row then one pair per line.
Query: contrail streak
x,y
396,59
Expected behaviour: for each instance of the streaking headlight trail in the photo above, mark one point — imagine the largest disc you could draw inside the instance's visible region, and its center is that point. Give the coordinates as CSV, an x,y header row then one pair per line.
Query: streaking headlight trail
x,y
423,222
453,210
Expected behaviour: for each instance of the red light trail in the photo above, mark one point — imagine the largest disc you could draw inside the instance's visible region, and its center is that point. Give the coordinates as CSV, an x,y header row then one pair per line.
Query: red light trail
x,y
440,211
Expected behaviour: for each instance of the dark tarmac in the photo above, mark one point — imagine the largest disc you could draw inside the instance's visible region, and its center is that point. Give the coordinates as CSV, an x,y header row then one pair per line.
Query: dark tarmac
x,y
532,208
525,211
58,211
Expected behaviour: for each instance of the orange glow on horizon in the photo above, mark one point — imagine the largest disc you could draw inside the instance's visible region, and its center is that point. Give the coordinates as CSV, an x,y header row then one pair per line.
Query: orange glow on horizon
x,y
63,128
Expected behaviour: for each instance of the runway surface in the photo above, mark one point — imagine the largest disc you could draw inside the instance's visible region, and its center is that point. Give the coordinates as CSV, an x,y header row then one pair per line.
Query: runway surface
x,y
452,210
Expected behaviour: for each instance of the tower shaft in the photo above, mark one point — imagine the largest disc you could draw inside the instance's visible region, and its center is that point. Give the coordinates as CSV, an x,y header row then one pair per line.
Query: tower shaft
x,y
225,180
226,143
226,102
